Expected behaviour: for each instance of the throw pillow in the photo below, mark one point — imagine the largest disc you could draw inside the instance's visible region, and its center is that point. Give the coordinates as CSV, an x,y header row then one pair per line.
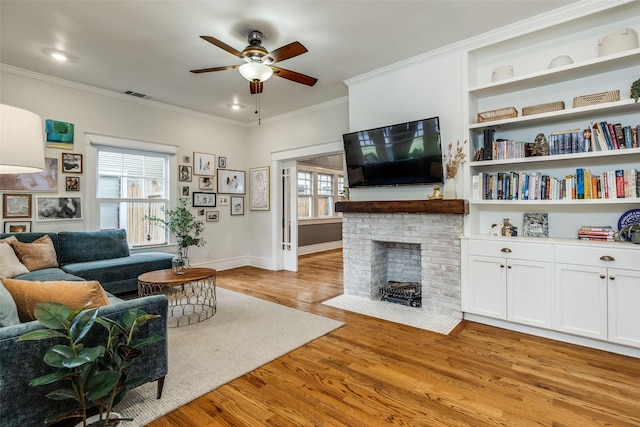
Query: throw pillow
x,y
10,265
36,255
27,294
8,309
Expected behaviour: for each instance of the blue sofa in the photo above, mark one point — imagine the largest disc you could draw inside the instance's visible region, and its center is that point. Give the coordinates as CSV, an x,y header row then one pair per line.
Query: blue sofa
x,y
96,255
103,256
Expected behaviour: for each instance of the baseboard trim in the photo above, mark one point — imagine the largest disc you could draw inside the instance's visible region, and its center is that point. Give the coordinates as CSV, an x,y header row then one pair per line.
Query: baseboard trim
x,y
320,247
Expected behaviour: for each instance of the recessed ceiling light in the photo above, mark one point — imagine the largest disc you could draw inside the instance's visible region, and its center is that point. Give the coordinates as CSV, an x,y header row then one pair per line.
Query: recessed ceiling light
x,y
236,106
59,55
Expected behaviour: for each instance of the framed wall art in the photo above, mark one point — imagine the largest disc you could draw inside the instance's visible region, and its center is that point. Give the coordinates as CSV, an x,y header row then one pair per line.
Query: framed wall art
x,y
222,162
184,173
185,190
535,225
223,200
205,183
259,189
237,205
71,163
73,183
204,164
213,216
204,200
17,226
59,134
58,208
186,159
16,205
231,182
46,180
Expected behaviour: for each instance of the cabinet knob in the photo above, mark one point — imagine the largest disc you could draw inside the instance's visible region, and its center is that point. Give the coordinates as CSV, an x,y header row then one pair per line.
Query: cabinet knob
x,y
508,266
612,277
602,276
506,250
607,258
501,265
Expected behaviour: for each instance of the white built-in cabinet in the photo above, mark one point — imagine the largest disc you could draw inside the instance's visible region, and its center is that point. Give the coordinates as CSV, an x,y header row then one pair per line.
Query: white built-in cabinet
x,y
557,283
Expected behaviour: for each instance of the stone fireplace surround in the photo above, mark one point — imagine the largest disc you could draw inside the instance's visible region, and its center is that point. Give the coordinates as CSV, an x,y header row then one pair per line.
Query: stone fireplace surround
x,y
434,225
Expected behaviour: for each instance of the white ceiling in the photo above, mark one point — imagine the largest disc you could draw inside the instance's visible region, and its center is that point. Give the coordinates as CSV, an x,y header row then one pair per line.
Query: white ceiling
x,y
149,46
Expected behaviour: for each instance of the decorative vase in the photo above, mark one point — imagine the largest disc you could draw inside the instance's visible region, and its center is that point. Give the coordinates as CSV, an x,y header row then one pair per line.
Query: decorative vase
x,y
449,189
180,263
507,228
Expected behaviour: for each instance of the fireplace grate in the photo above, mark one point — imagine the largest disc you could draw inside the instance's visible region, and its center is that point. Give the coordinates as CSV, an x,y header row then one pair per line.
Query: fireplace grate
x,y
405,293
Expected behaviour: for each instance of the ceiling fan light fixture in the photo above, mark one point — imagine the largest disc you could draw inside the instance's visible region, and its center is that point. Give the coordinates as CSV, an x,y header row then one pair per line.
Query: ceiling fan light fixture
x,y
255,72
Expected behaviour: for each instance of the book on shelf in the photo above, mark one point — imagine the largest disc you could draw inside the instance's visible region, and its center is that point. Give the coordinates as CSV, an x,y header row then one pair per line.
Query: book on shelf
x,y
596,228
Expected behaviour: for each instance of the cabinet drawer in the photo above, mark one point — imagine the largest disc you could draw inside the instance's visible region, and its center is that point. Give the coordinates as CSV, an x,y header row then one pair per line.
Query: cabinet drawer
x,y
511,249
622,258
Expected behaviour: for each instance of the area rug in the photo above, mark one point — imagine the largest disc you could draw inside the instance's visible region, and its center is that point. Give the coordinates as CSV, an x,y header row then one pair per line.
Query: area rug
x,y
412,316
244,334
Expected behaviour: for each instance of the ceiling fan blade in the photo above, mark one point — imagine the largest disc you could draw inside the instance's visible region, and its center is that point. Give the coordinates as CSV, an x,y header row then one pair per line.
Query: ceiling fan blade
x,y
208,70
223,46
256,87
288,51
294,76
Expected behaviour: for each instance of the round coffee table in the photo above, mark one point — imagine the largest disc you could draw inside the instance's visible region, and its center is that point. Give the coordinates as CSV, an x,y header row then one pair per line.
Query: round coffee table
x,y
192,296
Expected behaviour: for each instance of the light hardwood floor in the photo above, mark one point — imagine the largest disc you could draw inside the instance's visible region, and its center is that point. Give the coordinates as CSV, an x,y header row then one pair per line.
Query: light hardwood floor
x,y
372,372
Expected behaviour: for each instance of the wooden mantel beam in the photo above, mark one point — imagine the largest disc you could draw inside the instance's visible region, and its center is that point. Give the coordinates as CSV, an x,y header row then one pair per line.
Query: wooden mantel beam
x,y
457,206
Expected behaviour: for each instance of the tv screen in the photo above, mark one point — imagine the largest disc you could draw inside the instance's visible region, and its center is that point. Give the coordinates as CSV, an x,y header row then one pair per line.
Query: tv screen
x,y
403,154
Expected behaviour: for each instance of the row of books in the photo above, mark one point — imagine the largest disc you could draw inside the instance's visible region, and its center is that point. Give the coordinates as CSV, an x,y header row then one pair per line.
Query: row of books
x,y
538,186
597,233
606,136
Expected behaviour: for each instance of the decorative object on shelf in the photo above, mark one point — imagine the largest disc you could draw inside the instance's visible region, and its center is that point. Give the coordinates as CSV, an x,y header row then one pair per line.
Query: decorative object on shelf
x,y
496,229
541,145
499,114
618,41
535,225
635,90
626,220
502,72
453,161
543,108
560,61
436,195
631,232
596,98
91,374
507,228
344,194
183,224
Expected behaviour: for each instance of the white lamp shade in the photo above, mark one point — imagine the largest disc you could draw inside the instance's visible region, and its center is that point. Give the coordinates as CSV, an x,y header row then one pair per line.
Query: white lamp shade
x,y
21,141
254,71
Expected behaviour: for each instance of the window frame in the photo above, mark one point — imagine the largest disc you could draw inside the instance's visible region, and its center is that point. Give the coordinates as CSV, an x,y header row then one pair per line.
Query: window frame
x,y
315,171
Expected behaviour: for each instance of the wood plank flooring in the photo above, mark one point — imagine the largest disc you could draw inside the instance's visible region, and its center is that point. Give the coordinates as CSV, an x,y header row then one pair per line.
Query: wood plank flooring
x,y
372,372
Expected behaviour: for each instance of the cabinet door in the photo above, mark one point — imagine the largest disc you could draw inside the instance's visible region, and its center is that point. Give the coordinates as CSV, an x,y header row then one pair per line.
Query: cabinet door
x,y
529,292
624,306
580,300
487,290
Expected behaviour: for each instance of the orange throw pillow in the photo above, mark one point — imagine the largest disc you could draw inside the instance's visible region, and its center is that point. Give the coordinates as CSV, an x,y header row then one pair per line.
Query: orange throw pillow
x,y
27,294
36,255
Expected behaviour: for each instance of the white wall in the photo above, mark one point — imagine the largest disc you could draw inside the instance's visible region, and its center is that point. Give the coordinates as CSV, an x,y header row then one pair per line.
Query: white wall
x,y
95,112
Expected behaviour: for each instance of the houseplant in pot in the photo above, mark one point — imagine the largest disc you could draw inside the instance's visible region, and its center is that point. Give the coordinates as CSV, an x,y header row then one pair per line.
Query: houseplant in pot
x,y
185,227
93,375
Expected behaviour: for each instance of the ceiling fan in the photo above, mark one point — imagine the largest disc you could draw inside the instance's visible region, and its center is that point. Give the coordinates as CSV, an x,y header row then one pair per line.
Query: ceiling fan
x,y
258,67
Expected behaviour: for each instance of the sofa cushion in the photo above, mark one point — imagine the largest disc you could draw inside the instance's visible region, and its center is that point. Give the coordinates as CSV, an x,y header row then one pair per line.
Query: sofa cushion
x,y
83,246
73,294
48,275
10,265
36,255
8,309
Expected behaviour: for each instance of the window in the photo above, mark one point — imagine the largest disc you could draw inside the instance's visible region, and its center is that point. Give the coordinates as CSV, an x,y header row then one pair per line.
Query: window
x,y
130,185
317,192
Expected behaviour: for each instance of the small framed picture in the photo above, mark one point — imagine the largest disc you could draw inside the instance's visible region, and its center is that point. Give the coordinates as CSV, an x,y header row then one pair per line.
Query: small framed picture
x,y
17,226
535,224
71,163
222,162
259,189
205,183
184,173
186,159
223,200
204,164
16,205
212,216
200,212
58,208
204,200
231,182
237,205
73,183
185,191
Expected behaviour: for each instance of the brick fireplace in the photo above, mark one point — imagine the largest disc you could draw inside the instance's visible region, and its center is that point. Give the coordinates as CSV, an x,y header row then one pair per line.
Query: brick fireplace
x,y
422,237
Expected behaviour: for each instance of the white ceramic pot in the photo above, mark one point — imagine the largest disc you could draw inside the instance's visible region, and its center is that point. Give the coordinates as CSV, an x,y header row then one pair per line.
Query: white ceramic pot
x,y
449,190
560,61
501,73
618,41
96,418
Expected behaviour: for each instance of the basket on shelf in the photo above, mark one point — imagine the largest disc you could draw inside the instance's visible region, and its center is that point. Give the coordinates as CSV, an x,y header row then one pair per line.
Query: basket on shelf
x,y
596,98
499,114
543,108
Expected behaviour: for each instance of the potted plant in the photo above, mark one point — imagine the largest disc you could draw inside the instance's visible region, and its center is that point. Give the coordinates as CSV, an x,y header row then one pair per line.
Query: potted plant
x,y
93,375
635,90
185,227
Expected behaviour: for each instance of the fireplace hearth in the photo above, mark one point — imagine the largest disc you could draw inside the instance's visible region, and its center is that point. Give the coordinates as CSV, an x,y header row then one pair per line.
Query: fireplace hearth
x,y
404,293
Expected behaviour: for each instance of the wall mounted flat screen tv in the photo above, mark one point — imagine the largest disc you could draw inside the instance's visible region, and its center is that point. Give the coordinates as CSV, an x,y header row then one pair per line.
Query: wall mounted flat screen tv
x,y
402,154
